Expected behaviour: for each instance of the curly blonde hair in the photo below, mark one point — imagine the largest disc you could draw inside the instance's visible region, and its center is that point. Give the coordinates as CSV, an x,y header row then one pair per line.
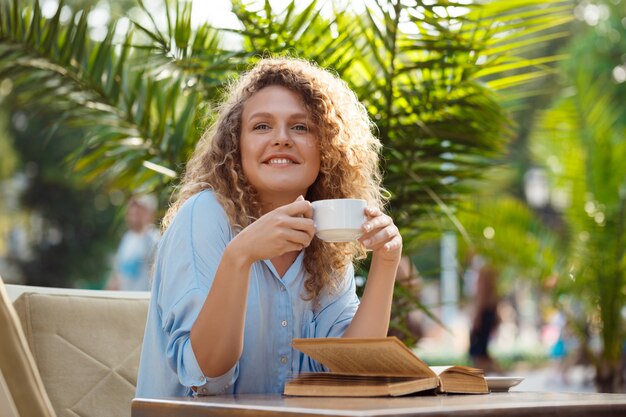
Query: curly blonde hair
x,y
349,158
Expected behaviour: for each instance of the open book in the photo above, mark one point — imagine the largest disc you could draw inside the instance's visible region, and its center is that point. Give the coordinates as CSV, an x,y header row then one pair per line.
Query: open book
x,y
377,367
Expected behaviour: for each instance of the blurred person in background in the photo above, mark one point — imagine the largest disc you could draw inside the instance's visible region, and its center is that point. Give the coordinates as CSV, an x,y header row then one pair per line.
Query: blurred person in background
x,y
485,318
568,332
133,259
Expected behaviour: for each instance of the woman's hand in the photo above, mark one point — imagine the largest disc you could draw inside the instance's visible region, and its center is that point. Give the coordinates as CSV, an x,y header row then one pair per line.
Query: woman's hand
x,y
285,229
381,236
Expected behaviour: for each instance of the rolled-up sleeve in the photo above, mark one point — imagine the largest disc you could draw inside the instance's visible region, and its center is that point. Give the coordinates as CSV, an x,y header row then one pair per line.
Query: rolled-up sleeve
x,y
189,256
179,351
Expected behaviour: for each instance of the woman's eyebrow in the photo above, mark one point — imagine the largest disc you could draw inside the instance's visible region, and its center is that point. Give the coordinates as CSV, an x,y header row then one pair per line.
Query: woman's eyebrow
x,y
272,115
259,114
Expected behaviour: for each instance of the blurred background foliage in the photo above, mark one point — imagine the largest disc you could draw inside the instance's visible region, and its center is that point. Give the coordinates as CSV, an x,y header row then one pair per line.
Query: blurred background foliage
x,y
502,121
139,98
567,165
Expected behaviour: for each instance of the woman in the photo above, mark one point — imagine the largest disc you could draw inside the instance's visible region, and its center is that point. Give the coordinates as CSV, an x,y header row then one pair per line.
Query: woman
x,y
239,272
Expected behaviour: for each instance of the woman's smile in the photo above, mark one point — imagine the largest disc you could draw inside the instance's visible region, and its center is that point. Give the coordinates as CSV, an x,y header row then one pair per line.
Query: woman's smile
x,y
280,161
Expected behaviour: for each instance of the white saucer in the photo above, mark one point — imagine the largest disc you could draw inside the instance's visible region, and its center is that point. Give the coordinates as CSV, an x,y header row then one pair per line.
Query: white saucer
x,y
502,383
338,235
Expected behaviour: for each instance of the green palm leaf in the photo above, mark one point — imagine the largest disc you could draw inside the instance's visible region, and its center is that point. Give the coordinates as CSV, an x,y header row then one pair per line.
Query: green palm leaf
x,y
425,72
133,123
580,142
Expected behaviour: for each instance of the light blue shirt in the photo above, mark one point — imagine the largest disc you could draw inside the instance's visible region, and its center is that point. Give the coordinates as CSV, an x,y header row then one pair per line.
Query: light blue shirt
x,y
187,258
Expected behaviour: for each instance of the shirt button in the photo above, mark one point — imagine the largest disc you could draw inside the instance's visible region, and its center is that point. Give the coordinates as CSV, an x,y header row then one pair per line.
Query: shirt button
x,y
283,323
283,359
282,288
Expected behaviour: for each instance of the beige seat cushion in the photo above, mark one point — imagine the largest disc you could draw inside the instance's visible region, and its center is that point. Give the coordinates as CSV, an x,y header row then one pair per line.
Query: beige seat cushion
x,y
23,392
87,350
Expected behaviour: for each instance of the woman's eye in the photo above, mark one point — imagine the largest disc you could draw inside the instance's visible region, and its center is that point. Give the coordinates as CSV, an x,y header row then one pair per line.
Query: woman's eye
x,y
302,128
261,126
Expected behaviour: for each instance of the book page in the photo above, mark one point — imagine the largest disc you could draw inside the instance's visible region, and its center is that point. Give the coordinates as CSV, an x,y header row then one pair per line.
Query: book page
x,y
457,369
461,379
381,356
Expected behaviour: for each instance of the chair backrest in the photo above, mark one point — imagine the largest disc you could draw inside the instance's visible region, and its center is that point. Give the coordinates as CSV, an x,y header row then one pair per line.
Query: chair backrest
x,y
86,346
23,393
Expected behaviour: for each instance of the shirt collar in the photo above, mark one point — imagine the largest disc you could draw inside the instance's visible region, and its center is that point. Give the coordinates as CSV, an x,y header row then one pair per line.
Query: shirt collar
x,y
292,271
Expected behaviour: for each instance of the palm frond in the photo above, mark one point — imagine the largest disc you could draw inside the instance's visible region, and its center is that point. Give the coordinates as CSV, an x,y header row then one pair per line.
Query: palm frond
x,y
423,75
426,73
580,143
100,87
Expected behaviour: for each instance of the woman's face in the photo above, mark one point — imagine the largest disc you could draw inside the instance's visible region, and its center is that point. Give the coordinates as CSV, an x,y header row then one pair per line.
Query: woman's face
x,y
280,151
138,216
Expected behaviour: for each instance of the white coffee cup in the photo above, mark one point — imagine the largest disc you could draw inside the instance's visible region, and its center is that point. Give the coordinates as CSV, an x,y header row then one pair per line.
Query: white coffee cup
x,y
339,220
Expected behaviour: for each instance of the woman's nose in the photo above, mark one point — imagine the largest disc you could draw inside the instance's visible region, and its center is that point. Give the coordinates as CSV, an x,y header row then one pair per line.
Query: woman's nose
x,y
283,138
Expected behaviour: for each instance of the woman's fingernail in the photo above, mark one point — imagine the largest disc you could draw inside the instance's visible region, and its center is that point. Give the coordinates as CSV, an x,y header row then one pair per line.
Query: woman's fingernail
x,y
367,242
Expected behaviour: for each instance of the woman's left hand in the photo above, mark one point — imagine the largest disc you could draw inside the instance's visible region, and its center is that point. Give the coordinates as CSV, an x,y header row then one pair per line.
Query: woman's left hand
x,y
381,236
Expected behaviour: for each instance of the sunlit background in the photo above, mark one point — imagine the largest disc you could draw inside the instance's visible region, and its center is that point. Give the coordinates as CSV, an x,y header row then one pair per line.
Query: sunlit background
x,y
504,136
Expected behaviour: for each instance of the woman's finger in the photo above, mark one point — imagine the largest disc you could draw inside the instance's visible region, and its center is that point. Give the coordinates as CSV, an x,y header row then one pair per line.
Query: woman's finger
x,y
281,220
378,222
380,237
393,244
373,211
299,208
299,238
303,224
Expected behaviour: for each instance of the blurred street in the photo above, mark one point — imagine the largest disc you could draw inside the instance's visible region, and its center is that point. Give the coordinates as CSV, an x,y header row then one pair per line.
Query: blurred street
x,y
523,344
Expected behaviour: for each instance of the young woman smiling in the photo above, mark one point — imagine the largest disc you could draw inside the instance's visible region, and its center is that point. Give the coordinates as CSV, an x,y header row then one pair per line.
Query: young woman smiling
x,y
239,271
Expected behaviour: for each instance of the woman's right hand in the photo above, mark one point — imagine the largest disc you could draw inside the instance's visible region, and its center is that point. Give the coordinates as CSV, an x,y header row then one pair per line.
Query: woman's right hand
x,y
285,229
